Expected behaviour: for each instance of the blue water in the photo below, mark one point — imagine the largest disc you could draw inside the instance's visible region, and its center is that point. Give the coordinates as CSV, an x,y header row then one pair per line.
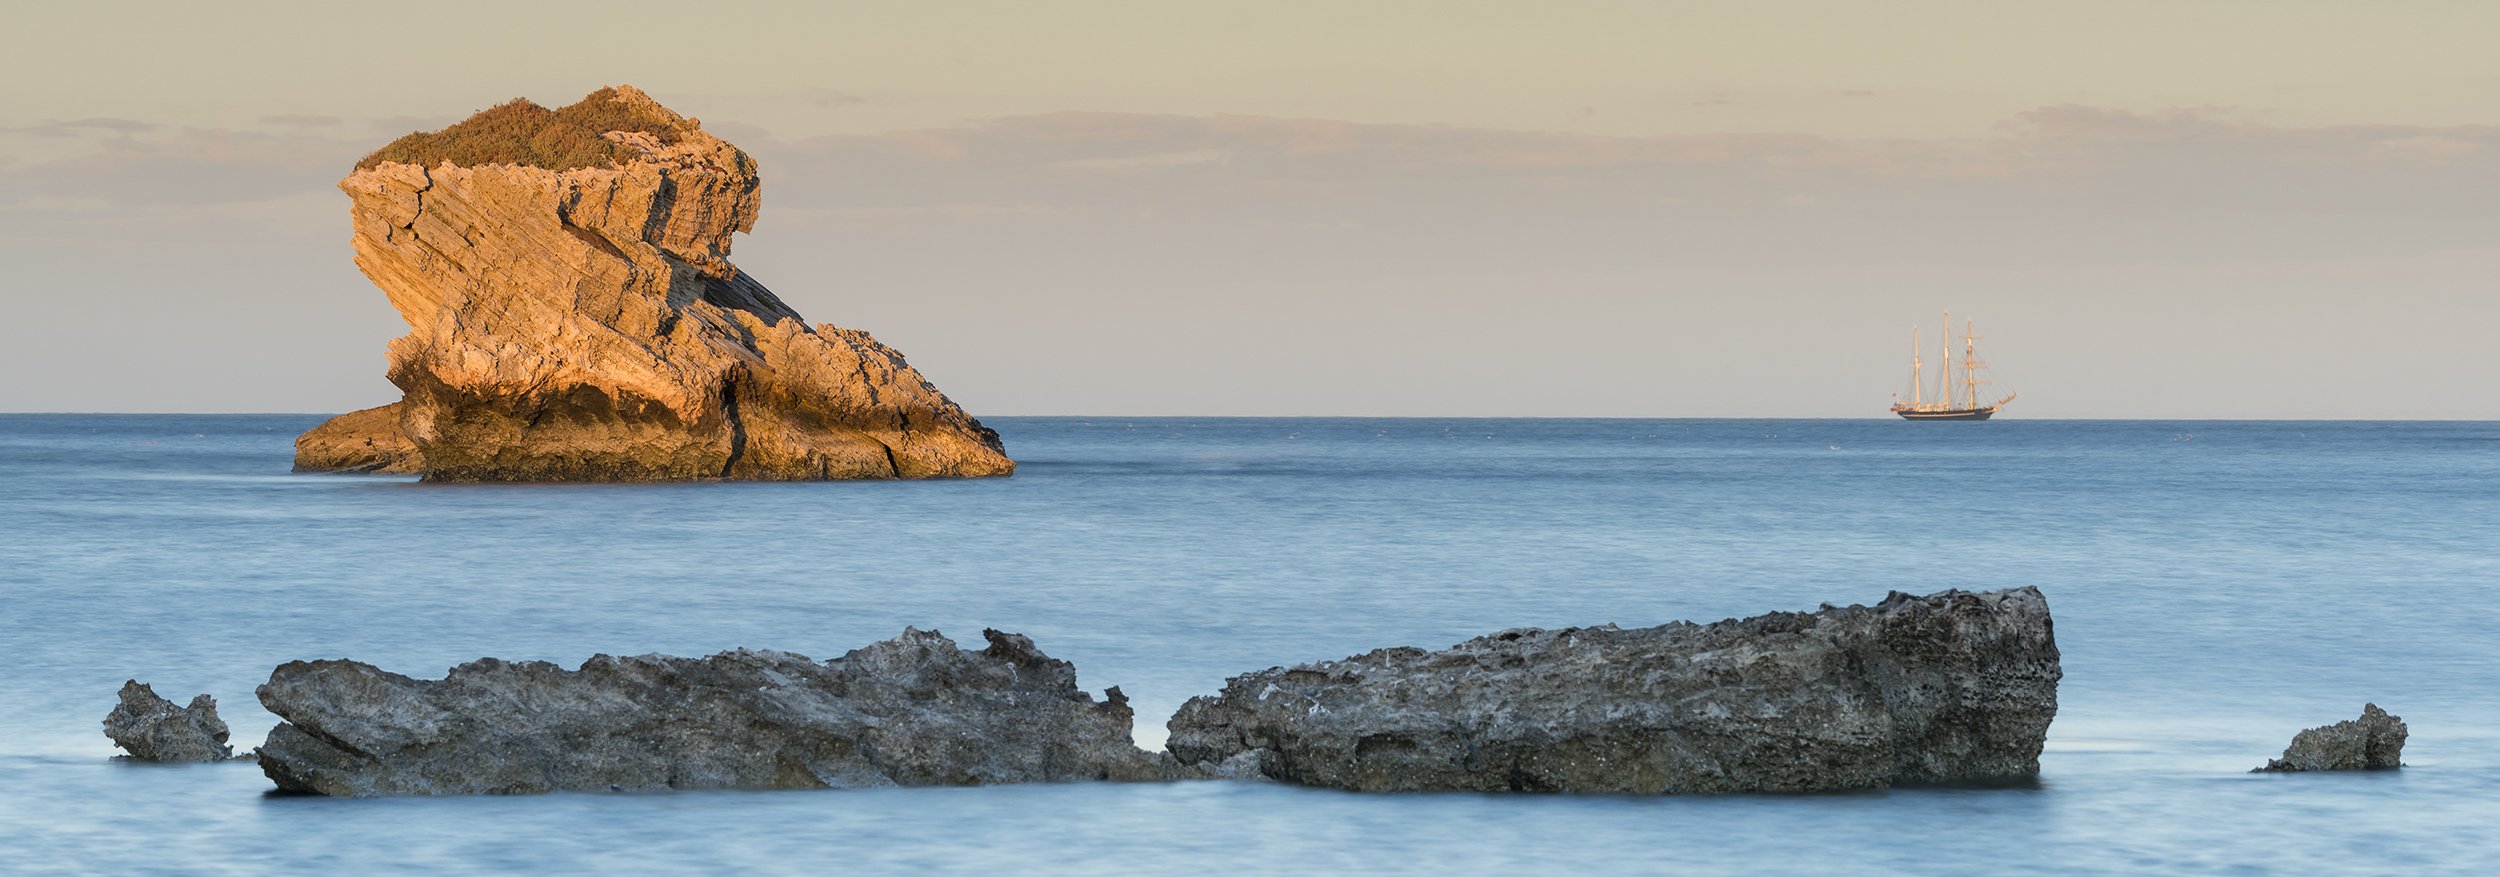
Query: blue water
x,y
2216,586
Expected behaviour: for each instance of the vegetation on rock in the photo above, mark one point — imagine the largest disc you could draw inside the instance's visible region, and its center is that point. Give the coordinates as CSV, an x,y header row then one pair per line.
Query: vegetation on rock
x,y
522,132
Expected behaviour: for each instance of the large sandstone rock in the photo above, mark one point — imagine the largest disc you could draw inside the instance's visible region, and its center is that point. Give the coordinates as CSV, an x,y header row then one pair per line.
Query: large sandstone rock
x,y
586,325
152,728
359,441
910,711
1953,687
2375,741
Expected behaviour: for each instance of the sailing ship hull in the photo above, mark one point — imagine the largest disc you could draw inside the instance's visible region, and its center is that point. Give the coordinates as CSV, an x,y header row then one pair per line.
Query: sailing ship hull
x,y
1953,414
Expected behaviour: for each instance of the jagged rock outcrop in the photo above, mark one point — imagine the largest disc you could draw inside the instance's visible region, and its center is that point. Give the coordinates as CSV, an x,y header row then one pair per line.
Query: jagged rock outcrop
x,y
584,323
2375,741
152,728
911,711
359,441
1953,687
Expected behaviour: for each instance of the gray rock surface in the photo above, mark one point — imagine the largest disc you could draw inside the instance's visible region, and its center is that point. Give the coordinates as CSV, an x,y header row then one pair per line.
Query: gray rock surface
x,y
1954,687
152,728
2375,741
911,711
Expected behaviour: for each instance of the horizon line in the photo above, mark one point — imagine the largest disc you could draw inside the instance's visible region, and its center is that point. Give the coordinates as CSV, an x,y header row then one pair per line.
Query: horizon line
x,y
2285,419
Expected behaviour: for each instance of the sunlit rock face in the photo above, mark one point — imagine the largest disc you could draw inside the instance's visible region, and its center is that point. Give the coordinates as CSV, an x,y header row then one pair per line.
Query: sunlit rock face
x,y
583,322
368,440
1953,687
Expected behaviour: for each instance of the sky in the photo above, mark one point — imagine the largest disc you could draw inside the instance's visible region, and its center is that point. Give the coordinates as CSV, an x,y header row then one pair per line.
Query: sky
x,y
1567,208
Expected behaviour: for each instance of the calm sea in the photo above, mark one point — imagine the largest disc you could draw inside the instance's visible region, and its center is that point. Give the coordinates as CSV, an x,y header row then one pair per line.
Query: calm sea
x,y
2217,586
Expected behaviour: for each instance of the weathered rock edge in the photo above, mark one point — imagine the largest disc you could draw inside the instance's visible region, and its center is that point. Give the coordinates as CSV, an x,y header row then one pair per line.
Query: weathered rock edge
x,y
909,711
1953,687
587,325
151,728
2375,741
367,440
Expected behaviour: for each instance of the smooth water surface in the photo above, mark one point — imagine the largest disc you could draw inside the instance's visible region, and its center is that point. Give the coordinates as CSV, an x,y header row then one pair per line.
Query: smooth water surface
x,y
2216,586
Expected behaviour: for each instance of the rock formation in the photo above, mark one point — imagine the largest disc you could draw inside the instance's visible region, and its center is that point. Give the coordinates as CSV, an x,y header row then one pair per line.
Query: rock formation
x,y
359,441
911,711
2375,741
151,728
1950,688
573,316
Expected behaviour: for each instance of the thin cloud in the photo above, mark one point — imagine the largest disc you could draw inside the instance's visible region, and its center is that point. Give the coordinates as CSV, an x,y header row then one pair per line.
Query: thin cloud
x,y
2048,187
77,127
826,98
160,165
2070,122
1262,143
739,132
1152,161
291,120
2432,146
2047,139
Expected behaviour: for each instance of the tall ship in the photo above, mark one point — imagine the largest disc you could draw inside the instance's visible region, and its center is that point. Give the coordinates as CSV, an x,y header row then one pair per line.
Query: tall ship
x,y
1953,397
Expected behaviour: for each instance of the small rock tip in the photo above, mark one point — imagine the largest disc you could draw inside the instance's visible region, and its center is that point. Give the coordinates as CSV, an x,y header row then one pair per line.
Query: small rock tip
x,y
1013,647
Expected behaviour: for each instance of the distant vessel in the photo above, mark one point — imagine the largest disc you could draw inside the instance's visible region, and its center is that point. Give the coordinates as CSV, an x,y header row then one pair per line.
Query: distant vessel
x,y
1953,399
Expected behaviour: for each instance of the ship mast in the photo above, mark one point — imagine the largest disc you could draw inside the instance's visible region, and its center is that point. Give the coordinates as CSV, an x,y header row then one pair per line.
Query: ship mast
x,y
1970,363
1918,382
1947,383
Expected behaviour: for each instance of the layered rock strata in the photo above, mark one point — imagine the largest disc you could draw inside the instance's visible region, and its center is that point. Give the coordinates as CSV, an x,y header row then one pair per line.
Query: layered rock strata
x,y
2375,741
152,728
911,711
586,324
1953,687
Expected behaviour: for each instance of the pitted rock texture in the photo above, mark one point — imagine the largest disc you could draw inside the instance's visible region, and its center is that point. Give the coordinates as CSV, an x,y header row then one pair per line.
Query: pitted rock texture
x,y
152,728
2375,741
910,711
1953,687
587,325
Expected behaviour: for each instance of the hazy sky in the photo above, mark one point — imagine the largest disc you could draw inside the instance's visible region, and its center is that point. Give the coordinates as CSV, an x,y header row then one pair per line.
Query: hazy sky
x,y
2203,209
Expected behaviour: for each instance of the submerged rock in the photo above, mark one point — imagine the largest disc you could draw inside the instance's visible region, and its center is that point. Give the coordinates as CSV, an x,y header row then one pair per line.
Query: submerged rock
x,y
2375,741
1953,687
573,316
151,728
910,711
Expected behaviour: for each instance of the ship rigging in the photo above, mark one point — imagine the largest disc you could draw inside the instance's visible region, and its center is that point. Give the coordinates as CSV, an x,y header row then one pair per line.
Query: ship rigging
x,y
1955,398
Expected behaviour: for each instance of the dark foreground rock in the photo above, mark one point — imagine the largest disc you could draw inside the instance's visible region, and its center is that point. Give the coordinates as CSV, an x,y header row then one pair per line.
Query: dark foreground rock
x,y
152,728
2375,741
910,711
1953,687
